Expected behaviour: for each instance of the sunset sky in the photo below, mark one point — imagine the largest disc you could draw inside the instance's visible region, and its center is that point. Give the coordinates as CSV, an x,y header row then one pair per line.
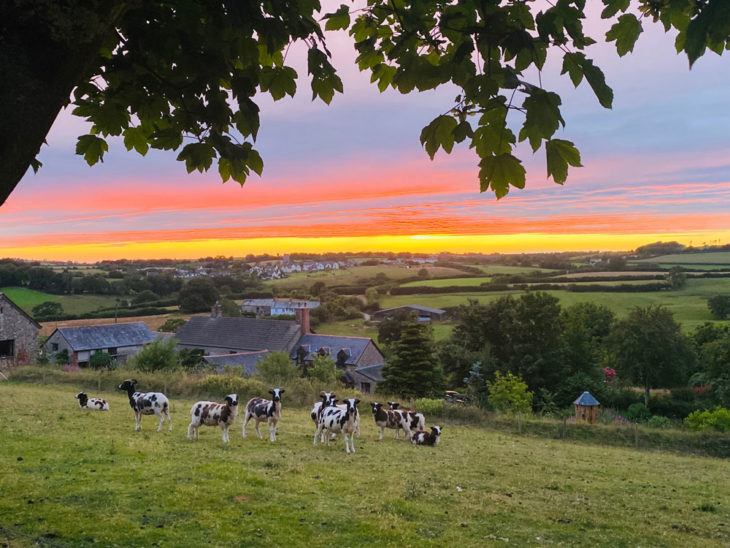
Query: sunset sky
x,y
353,176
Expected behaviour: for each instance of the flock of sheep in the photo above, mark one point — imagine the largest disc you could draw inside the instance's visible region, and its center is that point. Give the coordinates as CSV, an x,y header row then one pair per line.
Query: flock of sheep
x,y
329,417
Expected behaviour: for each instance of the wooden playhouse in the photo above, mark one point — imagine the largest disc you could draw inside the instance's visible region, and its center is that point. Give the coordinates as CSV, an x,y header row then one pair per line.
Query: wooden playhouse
x,y
586,408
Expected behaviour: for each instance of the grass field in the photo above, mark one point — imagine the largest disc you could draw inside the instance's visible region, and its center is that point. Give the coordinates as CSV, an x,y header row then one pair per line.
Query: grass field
x,y
73,478
72,304
714,258
446,282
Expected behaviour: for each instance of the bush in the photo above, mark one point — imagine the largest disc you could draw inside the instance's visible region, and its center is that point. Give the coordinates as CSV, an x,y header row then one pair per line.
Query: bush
x,y
157,356
172,325
672,407
638,412
277,369
657,421
719,420
509,393
620,398
102,360
61,357
429,406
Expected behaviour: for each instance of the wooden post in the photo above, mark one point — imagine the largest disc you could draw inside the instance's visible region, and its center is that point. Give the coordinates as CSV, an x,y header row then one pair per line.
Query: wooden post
x,y
565,425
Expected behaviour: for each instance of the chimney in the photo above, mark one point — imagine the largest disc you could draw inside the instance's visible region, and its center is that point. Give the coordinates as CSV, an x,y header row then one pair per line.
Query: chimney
x,y
216,311
302,315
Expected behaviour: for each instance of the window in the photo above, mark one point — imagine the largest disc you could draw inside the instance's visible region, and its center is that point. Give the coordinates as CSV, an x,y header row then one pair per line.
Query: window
x,y
365,387
54,347
112,352
7,348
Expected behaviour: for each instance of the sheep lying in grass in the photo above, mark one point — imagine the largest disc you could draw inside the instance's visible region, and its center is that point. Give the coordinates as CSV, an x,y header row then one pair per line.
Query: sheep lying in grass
x,y
94,404
213,414
427,438
147,403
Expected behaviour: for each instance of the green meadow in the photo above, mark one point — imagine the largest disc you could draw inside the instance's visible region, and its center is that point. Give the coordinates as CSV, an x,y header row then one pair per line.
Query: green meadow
x,y
72,304
709,258
74,478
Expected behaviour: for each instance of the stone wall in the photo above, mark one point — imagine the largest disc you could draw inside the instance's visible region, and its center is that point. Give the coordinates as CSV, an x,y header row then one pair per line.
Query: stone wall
x,y
15,325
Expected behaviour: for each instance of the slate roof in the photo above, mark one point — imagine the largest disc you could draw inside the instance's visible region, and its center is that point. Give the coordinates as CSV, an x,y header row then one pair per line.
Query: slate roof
x,y
116,335
355,346
418,307
586,399
247,361
373,372
242,334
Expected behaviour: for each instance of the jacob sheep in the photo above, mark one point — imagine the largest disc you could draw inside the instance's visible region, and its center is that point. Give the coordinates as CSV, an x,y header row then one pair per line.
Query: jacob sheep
x,y
261,409
328,399
147,403
96,404
213,414
389,418
427,438
335,419
414,419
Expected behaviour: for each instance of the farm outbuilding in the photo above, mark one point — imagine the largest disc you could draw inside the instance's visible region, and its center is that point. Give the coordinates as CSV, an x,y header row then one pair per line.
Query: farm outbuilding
x,y
18,334
586,408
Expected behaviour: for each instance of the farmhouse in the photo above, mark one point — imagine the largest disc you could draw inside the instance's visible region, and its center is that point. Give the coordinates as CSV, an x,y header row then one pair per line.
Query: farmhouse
x,y
424,313
359,358
245,361
18,334
276,307
120,340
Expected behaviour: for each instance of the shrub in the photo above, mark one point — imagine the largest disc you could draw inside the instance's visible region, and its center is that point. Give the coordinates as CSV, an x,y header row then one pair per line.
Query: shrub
x,y
218,386
718,419
509,393
671,407
430,406
156,356
657,421
61,357
172,325
619,398
102,360
277,369
638,412
323,370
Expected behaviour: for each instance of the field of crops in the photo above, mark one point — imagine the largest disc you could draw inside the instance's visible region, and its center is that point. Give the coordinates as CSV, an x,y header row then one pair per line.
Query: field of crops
x,y
72,304
73,478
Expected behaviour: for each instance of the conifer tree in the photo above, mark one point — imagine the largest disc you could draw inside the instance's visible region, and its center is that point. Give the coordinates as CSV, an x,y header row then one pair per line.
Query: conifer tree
x,y
413,370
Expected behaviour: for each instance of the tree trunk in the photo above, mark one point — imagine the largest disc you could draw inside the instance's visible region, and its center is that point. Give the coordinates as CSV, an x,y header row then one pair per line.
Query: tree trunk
x,y
46,49
646,394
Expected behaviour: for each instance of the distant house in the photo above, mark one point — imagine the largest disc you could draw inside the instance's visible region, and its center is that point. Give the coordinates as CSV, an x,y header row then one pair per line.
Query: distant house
x,y
120,340
424,313
276,307
18,334
359,358
218,335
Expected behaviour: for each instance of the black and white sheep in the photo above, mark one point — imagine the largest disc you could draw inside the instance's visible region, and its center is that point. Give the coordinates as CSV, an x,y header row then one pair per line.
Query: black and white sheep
x,y
147,403
414,419
328,399
335,419
427,438
390,418
210,413
95,404
261,409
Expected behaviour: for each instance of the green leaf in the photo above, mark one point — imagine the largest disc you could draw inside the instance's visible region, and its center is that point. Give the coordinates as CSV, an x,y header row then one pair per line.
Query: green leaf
x,y
134,138
197,156
324,79
440,132
613,7
561,154
499,172
36,165
278,81
542,117
573,65
339,19
625,32
92,148
597,81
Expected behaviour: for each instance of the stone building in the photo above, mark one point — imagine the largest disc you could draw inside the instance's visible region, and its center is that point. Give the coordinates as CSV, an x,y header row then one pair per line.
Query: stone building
x,y
18,334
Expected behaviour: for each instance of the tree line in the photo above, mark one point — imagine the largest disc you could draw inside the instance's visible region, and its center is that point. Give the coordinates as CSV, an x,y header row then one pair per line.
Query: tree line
x,y
558,352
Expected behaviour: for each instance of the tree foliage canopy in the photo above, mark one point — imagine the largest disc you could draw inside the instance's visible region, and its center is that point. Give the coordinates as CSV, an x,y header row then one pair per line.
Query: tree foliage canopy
x,y
183,76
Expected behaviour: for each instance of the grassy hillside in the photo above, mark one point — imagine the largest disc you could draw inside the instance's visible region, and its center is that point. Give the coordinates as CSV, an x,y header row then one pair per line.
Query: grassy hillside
x,y
710,258
103,483
72,304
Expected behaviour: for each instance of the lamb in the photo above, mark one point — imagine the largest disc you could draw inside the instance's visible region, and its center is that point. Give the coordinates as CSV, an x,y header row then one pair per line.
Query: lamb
x,y
95,404
147,403
427,438
414,419
334,419
213,414
261,409
390,418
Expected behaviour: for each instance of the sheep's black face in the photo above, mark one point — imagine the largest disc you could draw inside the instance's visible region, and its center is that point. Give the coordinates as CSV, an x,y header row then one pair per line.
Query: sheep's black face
x,y
276,394
127,385
351,404
376,406
393,404
436,430
79,395
232,399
